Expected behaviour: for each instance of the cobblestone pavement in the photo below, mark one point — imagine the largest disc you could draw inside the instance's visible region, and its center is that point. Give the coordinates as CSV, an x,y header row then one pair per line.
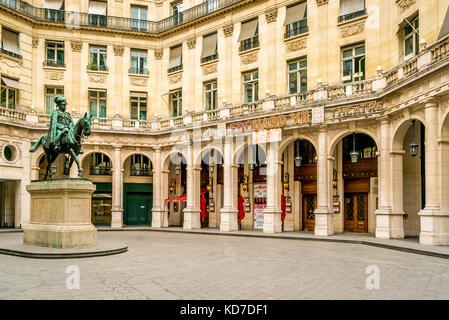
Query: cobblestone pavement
x,y
188,266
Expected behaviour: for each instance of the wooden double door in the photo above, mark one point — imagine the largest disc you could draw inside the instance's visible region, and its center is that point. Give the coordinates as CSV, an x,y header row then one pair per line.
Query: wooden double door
x,y
356,212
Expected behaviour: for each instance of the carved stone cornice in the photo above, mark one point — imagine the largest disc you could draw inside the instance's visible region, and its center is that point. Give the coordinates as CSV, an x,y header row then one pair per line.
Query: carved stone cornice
x,y
54,75
158,54
271,14
76,45
209,69
321,2
175,78
118,50
353,29
296,45
97,77
191,43
138,81
405,4
228,29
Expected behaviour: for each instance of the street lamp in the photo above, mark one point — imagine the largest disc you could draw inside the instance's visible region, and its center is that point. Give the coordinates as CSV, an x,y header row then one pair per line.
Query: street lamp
x,y
354,154
413,145
298,158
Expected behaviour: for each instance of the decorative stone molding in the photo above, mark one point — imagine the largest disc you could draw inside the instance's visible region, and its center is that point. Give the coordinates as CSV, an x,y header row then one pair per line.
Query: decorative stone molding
x,y
158,54
321,2
352,29
118,50
271,14
16,149
35,42
249,58
175,78
138,81
191,43
209,69
228,29
11,62
97,77
54,75
76,45
405,4
296,45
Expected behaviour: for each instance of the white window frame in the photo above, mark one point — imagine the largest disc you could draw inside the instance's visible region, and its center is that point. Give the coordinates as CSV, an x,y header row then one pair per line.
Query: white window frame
x,y
139,99
298,71
59,46
213,91
254,83
52,95
5,90
98,98
353,57
139,54
98,50
414,34
176,95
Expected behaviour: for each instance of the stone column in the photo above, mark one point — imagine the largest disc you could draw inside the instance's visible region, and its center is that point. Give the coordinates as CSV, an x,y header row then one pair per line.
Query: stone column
x,y
389,224
434,224
272,213
323,216
117,210
228,212
192,210
164,195
159,219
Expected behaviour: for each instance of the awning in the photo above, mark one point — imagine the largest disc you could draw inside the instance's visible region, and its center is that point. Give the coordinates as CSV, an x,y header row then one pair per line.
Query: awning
x,y
248,30
406,21
183,198
97,7
209,45
445,28
11,83
175,57
350,6
10,41
53,4
295,13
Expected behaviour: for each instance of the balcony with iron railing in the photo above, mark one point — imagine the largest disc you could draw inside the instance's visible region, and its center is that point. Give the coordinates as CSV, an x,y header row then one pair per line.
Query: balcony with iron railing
x,y
249,44
95,67
174,69
100,171
143,71
352,15
137,172
301,29
11,54
210,58
53,63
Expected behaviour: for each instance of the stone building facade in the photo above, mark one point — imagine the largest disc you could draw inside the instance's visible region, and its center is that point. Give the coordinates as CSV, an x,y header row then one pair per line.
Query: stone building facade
x,y
325,116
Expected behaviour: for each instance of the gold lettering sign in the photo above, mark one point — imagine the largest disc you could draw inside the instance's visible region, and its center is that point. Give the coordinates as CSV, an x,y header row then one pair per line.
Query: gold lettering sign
x,y
273,122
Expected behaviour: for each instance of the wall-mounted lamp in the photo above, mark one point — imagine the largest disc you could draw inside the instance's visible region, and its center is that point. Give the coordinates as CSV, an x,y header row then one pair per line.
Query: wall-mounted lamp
x,y
171,188
286,179
354,154
245,183
413,146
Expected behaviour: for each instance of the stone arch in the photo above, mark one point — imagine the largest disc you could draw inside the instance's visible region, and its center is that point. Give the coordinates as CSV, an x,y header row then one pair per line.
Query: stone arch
x,y
241,148
167,158
285,143
88,153
199,157
333,143
400,130
444,130
133,152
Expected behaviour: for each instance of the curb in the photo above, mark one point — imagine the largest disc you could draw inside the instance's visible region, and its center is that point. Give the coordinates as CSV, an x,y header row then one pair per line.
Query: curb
x,y
35,255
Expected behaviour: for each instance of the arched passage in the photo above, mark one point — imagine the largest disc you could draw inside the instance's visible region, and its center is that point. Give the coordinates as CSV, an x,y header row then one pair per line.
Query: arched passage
x,y
97,167
252,184
354,182
137,189
57,166
409,193
174,187
299,185
445,164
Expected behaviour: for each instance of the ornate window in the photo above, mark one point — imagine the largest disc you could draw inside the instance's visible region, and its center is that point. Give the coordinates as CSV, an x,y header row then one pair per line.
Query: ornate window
x,y
176,9
55,54
297,76
97,58
139,18
211,95
249,35
353,63
97,103
176,103
97,13
50,94
250,86
138,62
139,105
296,20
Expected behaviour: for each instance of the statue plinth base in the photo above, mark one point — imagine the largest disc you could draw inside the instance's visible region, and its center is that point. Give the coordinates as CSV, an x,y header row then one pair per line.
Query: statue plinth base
x,y
60,214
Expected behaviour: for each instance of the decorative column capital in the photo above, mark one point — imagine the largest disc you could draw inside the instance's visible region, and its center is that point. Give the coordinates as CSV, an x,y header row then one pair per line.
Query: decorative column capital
x,y
384,120
321,2
35,42
158,54
118,50
431,102
228,29
76,45
271,14
191,43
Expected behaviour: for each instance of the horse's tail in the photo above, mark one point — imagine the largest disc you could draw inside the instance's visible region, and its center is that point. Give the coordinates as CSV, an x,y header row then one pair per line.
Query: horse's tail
x,y
38,143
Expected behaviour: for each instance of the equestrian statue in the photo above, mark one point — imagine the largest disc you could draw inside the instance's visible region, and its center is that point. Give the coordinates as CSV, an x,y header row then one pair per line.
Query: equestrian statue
x,y
63,138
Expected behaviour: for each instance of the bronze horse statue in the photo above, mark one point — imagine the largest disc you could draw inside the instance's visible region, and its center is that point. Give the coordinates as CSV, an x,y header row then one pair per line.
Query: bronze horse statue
x,y
82,127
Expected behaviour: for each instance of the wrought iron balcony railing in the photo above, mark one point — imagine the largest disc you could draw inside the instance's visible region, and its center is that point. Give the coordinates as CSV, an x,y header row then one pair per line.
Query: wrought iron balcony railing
x,y
209,58
249,44
352,15
140,172
54,63
77,19
95,67
10,53
100,171
302,28
138,71
170,70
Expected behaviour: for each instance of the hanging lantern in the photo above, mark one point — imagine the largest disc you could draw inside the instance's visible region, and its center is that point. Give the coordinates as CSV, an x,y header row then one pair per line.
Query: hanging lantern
x,y
251,166
413,146
298,158
354,154
177,170
211,169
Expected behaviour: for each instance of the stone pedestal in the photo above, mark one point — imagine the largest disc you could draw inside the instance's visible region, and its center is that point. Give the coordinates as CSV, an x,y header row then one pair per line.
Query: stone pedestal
x,y
60,214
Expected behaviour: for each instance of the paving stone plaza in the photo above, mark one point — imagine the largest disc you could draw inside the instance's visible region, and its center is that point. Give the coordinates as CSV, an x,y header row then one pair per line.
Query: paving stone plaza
x,y
172,265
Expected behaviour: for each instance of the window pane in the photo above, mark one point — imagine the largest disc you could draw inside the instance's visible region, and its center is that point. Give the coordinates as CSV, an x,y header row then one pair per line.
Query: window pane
x,y
60,57
11,98
93,107
303,64
292,66
51,54
102,108
360,50
303,81
248,95
293,82
347,53
133,110
409,46
256,91
102,94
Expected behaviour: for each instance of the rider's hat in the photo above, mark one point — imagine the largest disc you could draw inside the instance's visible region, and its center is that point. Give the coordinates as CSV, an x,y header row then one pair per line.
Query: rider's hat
x,y
60,100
